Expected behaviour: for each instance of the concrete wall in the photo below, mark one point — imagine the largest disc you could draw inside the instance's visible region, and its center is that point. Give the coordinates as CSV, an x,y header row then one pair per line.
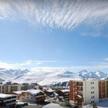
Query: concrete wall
x,y
90,91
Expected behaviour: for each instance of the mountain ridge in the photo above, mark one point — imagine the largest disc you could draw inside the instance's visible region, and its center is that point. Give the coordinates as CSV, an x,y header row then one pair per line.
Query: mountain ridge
x,y
25,75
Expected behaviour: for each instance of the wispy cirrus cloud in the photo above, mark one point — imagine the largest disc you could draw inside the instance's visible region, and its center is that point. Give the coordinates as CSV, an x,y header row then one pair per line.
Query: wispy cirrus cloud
x,y
26,64
56,13
106,59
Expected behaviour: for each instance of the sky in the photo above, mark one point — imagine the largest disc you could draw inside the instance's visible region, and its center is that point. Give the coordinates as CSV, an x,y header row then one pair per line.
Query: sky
x,y
54,34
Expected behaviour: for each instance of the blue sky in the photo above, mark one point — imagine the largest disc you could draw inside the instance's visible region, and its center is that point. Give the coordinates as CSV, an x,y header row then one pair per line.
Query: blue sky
x,y
48,42
21,41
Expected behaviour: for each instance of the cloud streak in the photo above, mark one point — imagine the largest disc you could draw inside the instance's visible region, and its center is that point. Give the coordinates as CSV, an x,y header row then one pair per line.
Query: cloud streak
x,y
56,13
26,64
39,66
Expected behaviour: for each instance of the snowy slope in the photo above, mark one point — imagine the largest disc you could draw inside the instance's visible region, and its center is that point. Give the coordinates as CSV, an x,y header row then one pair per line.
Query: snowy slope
x,y
92,74
9,74
66,76
18,75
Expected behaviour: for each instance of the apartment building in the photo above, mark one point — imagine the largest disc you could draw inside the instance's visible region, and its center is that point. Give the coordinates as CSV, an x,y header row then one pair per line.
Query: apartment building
x,y
83,91
103,89
7,101
9,88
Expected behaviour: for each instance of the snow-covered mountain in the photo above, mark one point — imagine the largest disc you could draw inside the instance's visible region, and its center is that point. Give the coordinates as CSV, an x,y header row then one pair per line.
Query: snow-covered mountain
x,y
10,74
92,74
66,76
18,75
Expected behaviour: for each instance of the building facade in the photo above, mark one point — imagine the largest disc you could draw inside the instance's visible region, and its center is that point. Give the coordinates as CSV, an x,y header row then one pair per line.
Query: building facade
x,y
7,101
9,88
103,89
31,95
84,91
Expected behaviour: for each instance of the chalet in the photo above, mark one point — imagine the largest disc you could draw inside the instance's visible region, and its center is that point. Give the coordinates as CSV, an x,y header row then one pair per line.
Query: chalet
x,y
22,95
36,95
31,95
63,92
49,92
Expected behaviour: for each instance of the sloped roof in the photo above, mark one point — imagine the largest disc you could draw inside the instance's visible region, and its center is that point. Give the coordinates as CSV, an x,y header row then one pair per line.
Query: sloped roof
x,y
19,92
34,92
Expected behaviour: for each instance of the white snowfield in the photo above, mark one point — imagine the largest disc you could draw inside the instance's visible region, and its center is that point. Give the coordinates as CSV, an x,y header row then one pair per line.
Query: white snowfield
x,y
52,105
101,104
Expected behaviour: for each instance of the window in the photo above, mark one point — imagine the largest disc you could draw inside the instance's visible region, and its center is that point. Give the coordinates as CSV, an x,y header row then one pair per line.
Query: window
x,y
92,87
80,83
92,97
92,101
92,82
92,92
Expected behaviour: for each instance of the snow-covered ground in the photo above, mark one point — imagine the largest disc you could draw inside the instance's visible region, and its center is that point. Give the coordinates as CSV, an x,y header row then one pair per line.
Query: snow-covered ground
x,y
101,104
52,105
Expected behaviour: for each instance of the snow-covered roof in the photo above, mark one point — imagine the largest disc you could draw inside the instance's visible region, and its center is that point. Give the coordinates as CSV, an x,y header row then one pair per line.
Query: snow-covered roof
x,y
52,105
50,90
34,92
19,92
31,91
5,95
65,90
